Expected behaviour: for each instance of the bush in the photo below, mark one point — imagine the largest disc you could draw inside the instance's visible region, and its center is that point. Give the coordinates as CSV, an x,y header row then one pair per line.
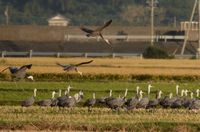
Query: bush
x,y
155,53
60,77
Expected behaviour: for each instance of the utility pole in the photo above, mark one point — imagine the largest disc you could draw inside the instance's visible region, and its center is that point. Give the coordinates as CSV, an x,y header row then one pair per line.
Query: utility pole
x,y
6,13
174,22
198,50
152,4
188,30
152,22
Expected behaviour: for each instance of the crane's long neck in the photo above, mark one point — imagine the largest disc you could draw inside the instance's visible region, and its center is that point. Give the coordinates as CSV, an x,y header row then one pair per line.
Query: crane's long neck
x,y
110,93
137,90
186,92
60,93
66,92
93,95
177,88
170,95
191,95
53,94
35,92
182,93
149,89
141,95
197,93
125,94
159,94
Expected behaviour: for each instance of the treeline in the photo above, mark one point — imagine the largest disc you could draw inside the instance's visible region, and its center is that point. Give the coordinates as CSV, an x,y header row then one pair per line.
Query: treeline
x,y
93,12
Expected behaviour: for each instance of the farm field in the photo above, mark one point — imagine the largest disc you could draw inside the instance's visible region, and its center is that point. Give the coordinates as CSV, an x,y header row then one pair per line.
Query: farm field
x,y
14,117
121,66
100,119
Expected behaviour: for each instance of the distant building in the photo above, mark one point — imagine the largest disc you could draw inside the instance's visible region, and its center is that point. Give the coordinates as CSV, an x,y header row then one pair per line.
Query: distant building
x,y
58,20
186,25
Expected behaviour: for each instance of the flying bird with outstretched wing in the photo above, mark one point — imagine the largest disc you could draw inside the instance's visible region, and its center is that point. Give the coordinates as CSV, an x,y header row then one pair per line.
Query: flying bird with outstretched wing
x,y
71,67
18,72
97,32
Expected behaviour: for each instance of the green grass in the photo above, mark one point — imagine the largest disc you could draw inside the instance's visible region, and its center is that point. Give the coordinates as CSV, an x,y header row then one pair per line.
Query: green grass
x,y
12,93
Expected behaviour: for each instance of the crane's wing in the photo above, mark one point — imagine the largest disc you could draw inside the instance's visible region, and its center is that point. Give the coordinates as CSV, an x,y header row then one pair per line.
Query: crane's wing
x,y
106,40
24,67
104,26
82,63
4,69
87,30
64,66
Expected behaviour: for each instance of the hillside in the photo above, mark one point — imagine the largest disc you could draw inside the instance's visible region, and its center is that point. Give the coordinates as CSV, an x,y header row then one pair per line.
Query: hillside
x,y
93,12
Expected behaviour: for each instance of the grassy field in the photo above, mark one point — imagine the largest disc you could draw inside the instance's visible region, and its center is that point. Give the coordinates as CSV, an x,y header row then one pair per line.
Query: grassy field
x,y
110,66
13,93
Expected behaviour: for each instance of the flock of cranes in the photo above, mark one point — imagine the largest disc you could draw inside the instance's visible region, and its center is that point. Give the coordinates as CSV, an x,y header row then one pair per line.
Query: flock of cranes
x,y
20,72
181,100
115,103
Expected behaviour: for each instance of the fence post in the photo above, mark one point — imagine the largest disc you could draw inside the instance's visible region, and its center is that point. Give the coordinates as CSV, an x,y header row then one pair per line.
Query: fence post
x,y
113,55
165,39
3,53
127,38
30,53
86,55
157,38
141,56
58,55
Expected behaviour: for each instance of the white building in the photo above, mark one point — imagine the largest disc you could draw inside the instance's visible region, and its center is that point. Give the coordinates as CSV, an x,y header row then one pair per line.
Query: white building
x,y
58,20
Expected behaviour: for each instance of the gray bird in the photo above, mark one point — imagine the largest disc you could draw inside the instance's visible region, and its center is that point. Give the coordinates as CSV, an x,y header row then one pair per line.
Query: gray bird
x,y
117,103
29,101
97,32
132,102
103,100
18,72
178,103
195,104
154,103
90,102
143,102
71,101
167,101
47,102
61,99
187,102
71,67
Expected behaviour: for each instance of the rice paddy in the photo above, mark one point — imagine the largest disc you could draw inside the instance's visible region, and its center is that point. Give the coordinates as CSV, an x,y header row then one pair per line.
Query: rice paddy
x,y
14,117
37,118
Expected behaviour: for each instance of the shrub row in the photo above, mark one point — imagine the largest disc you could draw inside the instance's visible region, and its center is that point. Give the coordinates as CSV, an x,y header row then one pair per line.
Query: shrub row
x,y
56,77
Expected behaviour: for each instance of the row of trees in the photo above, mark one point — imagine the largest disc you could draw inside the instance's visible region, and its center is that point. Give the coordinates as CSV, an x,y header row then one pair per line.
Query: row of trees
x,y
93,12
